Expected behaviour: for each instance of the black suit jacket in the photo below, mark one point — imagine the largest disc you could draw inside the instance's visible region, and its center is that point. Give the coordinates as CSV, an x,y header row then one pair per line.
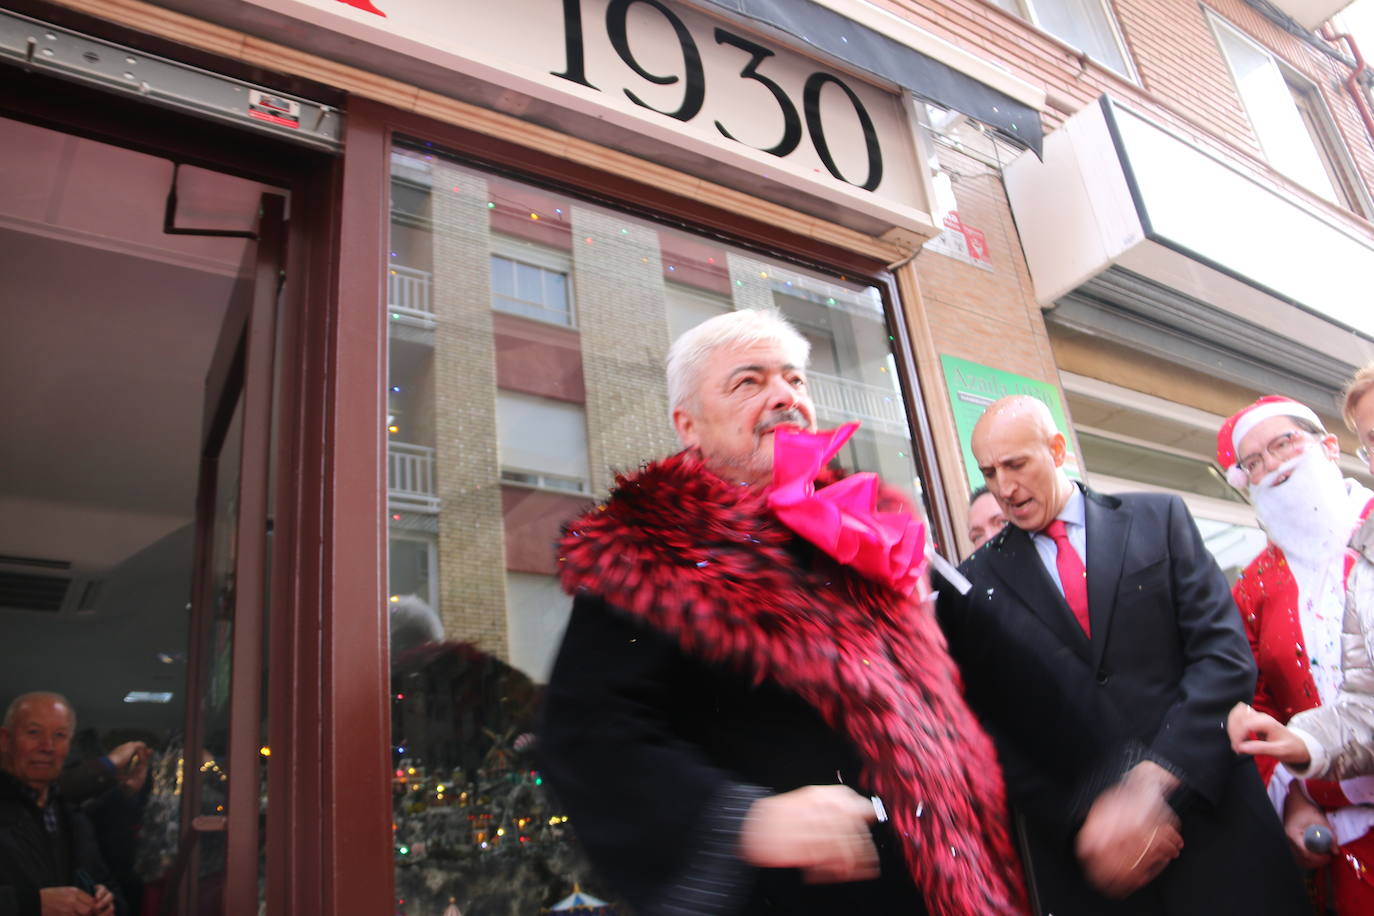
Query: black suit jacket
x,y
642,742
1167,659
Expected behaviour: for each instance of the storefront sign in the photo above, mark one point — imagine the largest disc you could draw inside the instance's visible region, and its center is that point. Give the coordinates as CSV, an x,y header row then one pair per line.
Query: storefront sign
x,y
676,74
972,387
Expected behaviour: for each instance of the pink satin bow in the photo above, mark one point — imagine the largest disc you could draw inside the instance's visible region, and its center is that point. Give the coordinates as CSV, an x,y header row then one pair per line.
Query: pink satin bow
x,y
843,519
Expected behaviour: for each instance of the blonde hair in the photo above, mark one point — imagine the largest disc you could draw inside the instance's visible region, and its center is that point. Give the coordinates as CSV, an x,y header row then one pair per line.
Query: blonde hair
x,y
1359,386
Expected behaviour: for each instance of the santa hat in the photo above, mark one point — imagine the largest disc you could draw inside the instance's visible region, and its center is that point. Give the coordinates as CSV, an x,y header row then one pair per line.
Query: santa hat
x,y
1240,423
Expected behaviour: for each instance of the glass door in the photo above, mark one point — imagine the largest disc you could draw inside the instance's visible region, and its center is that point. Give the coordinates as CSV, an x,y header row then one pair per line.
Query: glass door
x,y
224,759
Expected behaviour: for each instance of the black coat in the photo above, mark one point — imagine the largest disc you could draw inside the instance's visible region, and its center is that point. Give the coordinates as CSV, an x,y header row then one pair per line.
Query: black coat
x,y
1167,660
642,743
31,860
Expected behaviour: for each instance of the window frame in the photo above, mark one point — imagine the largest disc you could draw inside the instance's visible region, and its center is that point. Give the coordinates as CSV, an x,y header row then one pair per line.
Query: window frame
x,y
431,545
1327,142
356,777
549,260
541,475
1026,9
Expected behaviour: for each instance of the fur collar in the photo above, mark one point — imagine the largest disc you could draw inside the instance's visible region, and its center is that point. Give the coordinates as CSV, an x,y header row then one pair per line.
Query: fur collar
x,y
706,563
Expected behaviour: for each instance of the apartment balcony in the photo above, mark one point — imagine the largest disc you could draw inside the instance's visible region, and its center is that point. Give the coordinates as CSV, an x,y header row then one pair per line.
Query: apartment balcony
x,y
408,296
410,482
840,400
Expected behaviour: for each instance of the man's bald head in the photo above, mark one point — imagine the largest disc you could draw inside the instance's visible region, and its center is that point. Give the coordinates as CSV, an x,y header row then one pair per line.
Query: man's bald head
x,y
1021,455
1021,409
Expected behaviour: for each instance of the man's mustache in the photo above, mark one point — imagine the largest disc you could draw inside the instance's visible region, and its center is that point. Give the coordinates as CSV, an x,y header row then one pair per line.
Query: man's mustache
x,y
1267,481
791,416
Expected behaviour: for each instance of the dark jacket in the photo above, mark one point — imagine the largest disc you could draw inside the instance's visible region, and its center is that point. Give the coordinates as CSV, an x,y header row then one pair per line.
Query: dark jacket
x,y
713,658
1166,661
639,741
31,859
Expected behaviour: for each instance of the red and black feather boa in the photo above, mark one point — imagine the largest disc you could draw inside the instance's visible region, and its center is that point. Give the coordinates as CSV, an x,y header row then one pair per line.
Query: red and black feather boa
x,y
708,564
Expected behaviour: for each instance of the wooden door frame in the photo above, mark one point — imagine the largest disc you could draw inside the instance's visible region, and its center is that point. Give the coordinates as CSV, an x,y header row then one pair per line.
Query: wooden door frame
x,y
301,876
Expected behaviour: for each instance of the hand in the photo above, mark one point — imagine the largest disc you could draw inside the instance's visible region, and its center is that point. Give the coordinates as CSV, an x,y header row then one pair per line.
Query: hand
x,y
66,901
1130,835
823,830
123,756
104,901
1299,813
1270,736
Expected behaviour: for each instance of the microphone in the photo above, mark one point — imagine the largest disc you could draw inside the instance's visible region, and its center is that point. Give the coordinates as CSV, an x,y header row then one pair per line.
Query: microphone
x,y
1317,839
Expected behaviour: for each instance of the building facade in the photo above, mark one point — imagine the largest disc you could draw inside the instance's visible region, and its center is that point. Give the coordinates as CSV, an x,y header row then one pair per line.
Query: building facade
x,y
323,316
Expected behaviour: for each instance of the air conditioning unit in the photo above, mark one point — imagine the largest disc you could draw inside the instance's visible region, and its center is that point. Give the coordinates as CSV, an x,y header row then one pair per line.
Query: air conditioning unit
x,y
46,586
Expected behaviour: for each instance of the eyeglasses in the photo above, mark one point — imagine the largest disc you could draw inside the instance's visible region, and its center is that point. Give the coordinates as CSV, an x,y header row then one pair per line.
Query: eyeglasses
x,y
1362,453
1281,447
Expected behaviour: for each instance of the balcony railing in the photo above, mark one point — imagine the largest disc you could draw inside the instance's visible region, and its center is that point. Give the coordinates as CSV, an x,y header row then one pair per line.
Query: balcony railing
x,y
410,477
408,296
841,400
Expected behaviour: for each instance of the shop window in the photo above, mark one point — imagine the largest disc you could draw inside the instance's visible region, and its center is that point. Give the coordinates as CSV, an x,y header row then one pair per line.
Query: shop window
x,y
1292,124
1154,466
532,281
539,376
543,442
1087,25
1117,464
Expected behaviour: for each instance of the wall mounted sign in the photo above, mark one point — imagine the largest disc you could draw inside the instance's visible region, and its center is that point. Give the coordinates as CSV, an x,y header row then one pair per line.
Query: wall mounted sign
x,y
678,75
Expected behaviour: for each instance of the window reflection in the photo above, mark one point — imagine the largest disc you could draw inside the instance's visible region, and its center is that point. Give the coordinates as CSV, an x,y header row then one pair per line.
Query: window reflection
x,y
527,333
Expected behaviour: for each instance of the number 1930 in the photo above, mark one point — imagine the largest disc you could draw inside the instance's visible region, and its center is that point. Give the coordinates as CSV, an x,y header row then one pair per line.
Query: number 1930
x,y
694,80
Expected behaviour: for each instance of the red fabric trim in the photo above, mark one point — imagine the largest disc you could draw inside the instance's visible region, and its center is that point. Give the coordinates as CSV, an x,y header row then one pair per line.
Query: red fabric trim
x,y
706,563
1326,793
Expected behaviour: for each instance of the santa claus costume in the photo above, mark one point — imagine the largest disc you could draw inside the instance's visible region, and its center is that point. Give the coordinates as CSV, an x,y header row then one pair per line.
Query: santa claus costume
x,y
1292,602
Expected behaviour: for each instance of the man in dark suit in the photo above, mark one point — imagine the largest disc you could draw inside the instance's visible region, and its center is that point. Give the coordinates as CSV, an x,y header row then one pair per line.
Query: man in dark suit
x,y
1101,650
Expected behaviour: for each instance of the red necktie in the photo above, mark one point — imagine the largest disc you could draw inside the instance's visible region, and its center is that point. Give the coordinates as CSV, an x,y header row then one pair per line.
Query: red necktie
x,y
1071,574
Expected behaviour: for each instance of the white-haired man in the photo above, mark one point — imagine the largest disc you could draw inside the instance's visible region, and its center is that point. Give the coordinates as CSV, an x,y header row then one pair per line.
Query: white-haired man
x,y
49,861
746,671
1292,601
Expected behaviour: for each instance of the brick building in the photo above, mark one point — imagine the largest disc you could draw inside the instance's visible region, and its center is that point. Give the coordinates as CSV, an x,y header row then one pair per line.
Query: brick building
x,y
396,281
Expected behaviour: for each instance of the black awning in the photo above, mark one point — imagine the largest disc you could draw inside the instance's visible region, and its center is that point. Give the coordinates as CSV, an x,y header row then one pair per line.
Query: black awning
x,y
869,50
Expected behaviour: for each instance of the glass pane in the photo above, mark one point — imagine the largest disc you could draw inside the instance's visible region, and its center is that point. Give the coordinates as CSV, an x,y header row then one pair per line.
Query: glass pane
x,y
520,420
113,322
1233,546
212,766
556,291
1279,125
529,283
502,276
1150,466
1085,25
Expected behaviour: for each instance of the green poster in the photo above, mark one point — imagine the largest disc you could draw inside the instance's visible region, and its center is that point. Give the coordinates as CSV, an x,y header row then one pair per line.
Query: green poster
x,y
972,387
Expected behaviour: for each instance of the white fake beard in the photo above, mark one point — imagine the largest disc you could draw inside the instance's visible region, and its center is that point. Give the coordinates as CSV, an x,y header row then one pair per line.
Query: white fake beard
x,y
1309,515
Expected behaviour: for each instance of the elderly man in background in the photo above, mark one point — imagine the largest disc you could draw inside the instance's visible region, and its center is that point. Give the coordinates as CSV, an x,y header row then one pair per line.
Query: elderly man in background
x,y
750,677
985,517
49,862
1292,601
1132,800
